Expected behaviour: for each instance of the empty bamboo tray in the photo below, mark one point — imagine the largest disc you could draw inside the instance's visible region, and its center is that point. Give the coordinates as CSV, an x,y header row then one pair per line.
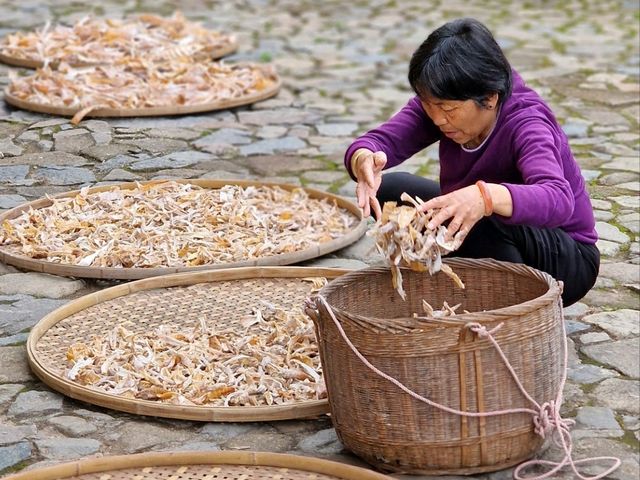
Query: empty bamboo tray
x,y
202,466
12,255
219,297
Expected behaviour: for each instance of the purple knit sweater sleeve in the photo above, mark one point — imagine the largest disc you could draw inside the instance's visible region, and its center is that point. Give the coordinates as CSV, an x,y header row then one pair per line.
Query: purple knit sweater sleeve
x,y
546,199
404,134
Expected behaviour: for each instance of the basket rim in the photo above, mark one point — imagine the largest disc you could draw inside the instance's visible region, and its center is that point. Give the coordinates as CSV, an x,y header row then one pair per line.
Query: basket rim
x,y
65,269
148,407
157,459
458,320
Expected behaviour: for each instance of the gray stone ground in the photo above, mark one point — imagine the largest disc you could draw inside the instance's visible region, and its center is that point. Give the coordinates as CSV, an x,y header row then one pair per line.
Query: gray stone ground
x,y
344,66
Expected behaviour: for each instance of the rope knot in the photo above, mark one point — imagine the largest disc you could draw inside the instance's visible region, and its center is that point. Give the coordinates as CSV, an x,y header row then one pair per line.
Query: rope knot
x,y
481,330
543,421
548,419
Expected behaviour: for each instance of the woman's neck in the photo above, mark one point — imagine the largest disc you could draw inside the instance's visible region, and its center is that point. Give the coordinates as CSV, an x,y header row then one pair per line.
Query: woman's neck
x,y
484,134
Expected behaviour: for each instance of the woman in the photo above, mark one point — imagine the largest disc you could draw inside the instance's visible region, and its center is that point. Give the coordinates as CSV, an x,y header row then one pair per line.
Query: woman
x,y
509,185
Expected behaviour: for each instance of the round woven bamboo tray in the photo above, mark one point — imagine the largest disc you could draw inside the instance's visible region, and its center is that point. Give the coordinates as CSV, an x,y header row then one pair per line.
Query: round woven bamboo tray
x,y
218,296
22,261
202,466
32,63
146,112
442,360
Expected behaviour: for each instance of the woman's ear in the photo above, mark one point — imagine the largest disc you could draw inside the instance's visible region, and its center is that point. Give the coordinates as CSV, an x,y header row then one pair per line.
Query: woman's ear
x,y
491,101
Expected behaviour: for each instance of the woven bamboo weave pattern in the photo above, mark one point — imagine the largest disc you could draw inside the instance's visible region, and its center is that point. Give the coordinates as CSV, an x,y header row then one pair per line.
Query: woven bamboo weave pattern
x,y
219,303
218,465
206,472
442,360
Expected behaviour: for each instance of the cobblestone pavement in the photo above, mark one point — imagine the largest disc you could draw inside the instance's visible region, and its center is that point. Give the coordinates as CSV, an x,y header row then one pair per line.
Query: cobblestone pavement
x,y
344,67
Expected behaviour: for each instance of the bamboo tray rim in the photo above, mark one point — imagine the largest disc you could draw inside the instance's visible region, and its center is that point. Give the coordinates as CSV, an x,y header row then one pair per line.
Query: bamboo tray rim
x,y
32,63
23,261
158,459
148,407
268,92
461,319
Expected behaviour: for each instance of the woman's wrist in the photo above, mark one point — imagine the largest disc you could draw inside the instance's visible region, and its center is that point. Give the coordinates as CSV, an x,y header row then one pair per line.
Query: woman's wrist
x,y
355,158
502,203
487,199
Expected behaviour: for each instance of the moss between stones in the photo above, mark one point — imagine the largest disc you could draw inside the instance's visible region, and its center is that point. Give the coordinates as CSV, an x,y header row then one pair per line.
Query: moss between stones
x,y
266,57
16,468
335,186
629,438
588,388
558,46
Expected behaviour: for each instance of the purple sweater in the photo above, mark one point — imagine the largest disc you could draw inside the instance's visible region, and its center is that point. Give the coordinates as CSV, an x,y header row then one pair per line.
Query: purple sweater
x,y
527,152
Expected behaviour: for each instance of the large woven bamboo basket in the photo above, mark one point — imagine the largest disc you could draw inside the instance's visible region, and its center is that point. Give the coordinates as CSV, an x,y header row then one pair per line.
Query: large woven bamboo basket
x,y
202,466
443,360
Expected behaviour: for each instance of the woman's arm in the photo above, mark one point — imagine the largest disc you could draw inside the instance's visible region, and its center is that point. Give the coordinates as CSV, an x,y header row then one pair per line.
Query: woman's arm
x,y
404,134
501,198
545,198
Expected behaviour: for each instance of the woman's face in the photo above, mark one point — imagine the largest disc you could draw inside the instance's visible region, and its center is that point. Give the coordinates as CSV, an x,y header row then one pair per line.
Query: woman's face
x,y
463,121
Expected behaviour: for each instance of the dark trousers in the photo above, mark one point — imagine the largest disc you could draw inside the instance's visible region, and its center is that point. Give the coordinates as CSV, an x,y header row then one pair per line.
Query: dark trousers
x,y
550,250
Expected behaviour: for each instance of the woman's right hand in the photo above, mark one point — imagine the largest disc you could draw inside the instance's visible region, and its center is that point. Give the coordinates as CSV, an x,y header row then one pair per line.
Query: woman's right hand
x,y
367,167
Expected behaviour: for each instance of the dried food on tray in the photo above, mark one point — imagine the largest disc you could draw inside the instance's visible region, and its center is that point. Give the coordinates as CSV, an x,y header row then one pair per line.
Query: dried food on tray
x,y
138,83
106,41
402,237
269,357
172,224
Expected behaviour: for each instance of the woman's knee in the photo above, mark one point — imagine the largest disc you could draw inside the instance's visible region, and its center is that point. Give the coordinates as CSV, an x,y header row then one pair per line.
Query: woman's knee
x,y
578,285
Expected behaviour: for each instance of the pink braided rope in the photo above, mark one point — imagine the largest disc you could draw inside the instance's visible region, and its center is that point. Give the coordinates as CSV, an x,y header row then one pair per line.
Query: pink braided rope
x,y
546,417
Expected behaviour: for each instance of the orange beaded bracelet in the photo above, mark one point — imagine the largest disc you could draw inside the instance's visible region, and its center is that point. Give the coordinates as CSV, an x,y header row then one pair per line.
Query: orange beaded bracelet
x,y
486,197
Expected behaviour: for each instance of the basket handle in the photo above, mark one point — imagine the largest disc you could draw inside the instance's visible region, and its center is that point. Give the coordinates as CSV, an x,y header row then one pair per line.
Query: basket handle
x,y
311,308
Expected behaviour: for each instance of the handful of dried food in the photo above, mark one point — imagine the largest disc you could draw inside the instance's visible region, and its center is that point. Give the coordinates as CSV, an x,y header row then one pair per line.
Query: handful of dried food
x,y
402,237
107,41
269,357
172,224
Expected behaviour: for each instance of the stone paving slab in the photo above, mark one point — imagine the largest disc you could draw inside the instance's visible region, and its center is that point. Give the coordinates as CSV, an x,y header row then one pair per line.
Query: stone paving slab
x,y
343,66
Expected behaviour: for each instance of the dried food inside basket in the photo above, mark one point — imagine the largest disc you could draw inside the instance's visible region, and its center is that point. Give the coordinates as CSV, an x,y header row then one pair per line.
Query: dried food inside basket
x,y
269,357
446,310
107,41
172,224
137,83
402,237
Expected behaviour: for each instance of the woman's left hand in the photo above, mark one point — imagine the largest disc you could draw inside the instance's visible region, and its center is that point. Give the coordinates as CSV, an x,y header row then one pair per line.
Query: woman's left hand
x,y
464,207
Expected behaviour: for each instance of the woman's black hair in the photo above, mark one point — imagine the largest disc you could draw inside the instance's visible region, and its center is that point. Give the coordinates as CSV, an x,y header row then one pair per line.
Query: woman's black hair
x,y
461,61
